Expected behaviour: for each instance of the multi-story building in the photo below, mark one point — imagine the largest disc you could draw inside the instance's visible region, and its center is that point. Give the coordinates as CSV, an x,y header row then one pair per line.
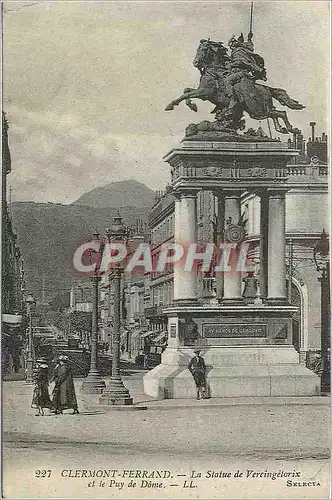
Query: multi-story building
x,y
81,298
306,217
12,278
159,286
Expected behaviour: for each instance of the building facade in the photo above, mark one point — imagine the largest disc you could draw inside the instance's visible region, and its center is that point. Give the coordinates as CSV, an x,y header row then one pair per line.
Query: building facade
x,y
81,298
12,278
306,216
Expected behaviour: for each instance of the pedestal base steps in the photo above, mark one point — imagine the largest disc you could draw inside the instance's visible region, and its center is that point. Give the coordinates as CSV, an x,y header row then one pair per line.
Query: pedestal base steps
x,y
232,372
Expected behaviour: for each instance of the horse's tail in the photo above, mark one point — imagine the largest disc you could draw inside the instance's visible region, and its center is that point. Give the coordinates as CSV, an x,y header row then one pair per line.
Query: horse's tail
x,y
284,99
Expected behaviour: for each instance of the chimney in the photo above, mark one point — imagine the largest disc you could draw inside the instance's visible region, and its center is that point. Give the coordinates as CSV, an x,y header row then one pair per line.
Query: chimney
x,y
299,143
303,147
296,133
312,125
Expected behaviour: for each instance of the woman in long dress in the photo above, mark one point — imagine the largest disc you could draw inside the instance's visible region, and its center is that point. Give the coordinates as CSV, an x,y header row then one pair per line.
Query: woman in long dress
x,y
41,398
64,396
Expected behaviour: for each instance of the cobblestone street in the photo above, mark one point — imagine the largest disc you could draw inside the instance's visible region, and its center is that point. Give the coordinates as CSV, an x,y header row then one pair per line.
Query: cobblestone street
x,y
259,434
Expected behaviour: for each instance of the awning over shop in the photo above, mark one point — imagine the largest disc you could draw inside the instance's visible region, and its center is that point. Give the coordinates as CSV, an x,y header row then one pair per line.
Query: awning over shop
x,y
160,337
13,319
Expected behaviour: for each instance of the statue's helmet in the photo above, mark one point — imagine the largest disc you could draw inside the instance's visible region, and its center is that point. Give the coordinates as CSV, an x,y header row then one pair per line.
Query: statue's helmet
x,y
232,40
236,41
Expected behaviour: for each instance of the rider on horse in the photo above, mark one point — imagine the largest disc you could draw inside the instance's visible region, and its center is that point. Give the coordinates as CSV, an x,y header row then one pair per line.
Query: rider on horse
x,y
244,63
229,82
219,66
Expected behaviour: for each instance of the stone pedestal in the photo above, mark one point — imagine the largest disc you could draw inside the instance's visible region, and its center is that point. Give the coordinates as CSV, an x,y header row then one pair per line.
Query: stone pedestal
x,y
247,348
257,371
248,351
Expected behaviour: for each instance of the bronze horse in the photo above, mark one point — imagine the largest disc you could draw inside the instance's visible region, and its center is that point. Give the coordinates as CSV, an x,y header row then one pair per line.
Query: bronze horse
x,y
256,99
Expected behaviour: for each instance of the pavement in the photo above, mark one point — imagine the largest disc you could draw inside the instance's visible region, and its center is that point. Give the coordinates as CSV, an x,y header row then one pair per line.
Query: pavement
x,y
181,435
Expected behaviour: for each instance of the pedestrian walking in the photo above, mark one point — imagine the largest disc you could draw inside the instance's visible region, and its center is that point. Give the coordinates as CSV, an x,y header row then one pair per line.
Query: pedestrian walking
x,y
197,368
41,398
64,396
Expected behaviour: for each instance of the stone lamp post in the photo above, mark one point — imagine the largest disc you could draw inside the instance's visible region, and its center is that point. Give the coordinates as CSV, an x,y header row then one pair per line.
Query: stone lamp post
x,y
116,393
93,383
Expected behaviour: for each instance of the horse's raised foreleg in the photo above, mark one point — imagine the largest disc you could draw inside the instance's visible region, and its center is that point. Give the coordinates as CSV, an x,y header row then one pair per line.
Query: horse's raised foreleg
x,y
192,94
177,101
191,105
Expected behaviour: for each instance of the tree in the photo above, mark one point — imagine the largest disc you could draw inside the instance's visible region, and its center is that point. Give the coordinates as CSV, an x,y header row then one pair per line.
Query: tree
x,y
80,321
60,302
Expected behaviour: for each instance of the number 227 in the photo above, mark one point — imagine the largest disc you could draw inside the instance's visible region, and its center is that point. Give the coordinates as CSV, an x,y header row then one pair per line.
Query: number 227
x,y
43,473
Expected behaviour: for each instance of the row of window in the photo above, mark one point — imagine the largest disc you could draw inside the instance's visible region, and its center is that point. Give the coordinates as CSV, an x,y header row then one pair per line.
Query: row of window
x,y
162,294
163,231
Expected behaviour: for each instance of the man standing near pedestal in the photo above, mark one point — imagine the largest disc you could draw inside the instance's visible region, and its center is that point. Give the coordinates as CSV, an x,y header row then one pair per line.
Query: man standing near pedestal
x,y
197,368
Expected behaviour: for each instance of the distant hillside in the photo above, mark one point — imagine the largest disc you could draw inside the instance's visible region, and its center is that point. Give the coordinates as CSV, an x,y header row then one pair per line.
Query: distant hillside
x,y
49,233
118,194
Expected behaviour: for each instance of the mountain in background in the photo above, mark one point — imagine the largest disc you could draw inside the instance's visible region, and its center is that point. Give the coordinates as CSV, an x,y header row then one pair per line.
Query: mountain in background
x,y
49,233
118,194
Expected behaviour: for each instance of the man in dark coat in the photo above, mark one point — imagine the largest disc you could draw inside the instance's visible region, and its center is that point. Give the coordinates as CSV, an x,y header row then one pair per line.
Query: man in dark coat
x,y
197,368
64,396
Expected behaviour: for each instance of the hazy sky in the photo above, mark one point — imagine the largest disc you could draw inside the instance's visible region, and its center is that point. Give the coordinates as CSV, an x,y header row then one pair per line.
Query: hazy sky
x,y
86,83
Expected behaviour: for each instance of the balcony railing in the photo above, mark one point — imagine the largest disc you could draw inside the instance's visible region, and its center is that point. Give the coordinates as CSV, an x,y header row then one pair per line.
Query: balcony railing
x,y
307,170
323,170
296,170
150,312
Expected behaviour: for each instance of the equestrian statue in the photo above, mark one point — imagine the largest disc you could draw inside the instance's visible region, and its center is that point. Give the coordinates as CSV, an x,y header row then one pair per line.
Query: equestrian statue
x,y
229,81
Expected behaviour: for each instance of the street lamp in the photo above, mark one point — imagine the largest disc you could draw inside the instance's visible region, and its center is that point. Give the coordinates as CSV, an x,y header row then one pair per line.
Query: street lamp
x,y
321,258
116,393
93,383
30,302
